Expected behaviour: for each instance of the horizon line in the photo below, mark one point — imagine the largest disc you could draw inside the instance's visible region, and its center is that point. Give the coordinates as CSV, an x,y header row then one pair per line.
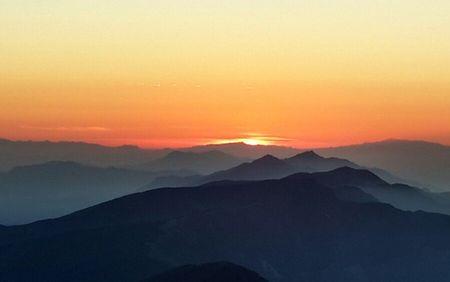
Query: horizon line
x,y
218,144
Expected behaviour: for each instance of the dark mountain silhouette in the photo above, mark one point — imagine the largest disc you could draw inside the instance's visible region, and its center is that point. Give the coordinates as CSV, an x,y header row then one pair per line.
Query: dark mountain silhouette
x,y
267,167
421,162
201,163
209,272
53,189
293,229
309,161
399,195
20,153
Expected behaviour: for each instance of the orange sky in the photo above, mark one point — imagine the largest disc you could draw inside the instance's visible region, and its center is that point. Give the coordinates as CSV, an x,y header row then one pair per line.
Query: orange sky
x,y
180,73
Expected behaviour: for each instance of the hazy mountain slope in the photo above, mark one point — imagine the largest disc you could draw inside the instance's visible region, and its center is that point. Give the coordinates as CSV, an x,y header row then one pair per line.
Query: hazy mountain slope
x,y
19,153
399,195
209,272
53,189
310,161
292,229
423,162
202,163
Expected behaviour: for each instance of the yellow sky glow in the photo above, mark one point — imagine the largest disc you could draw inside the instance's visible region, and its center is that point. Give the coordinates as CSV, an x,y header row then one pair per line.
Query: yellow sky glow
x,y
179,73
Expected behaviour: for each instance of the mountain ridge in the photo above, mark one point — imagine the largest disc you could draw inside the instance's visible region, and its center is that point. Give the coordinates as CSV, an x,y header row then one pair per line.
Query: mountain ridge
x,y
266,167
402,196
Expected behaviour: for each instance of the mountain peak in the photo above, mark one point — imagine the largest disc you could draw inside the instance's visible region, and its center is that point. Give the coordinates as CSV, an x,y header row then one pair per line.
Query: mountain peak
x,y
357,174
352,171
267,158
310,155
343,176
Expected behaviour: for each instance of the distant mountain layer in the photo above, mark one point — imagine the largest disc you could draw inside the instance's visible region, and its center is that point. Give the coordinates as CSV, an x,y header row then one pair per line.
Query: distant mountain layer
x,y
269,167
19,153
53,189
423,162
247,151
201,163
209,272
287,230
420,163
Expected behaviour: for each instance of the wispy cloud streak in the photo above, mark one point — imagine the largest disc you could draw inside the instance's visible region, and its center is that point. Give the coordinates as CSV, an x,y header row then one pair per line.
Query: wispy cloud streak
x,y
67,128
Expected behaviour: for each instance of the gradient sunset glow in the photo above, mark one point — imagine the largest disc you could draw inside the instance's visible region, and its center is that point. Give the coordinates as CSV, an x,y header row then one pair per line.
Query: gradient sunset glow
x,y
180,73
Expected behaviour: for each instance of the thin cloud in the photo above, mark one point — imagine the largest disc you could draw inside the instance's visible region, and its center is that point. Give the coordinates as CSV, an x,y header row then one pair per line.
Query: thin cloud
x,y
67,128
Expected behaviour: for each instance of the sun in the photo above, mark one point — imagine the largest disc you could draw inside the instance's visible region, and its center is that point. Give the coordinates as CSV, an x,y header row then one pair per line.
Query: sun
x,y
254,142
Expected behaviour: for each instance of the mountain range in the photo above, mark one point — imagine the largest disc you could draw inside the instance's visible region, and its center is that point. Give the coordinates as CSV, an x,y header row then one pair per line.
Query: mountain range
x,y
297,228
267,167
20,153
419,163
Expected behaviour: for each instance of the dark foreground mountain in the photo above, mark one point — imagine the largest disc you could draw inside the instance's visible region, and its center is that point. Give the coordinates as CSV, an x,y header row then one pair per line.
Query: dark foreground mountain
x,y
423,162
201,163
54,189
209,272
293,229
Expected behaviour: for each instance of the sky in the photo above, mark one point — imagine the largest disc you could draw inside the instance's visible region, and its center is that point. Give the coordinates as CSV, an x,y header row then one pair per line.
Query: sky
x,y
178,73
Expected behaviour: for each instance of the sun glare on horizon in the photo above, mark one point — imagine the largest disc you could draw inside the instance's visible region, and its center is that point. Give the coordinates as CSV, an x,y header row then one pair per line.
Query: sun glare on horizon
x,y
252,141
